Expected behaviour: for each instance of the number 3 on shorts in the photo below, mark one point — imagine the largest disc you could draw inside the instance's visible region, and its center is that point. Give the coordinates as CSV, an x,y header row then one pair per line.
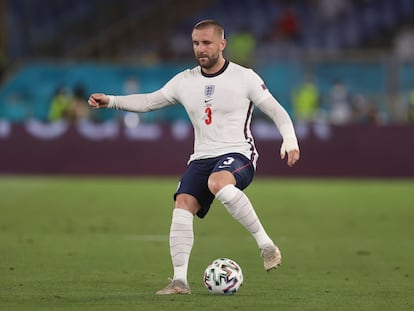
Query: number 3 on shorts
x,y
229,161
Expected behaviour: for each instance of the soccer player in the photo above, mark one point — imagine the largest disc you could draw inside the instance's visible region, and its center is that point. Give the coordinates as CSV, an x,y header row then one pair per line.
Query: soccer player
x,y
219,97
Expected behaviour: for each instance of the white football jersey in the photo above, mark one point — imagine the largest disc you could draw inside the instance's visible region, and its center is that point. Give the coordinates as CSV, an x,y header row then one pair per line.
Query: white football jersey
x,y
220,108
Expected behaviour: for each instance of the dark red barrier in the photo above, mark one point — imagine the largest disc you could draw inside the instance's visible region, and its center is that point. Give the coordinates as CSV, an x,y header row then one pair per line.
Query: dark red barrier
x,y
367,151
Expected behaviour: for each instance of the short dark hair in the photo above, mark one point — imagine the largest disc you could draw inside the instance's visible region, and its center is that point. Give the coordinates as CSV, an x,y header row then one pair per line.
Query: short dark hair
x,y
210,23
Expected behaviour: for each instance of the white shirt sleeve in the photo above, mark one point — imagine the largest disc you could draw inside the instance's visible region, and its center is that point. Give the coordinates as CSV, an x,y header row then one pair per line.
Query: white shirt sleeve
x,y
140,102
271,107
256,88
264,100
170,89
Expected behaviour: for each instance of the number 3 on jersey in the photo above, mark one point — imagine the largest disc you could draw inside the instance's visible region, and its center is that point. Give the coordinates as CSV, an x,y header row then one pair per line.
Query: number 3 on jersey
x,y
209,117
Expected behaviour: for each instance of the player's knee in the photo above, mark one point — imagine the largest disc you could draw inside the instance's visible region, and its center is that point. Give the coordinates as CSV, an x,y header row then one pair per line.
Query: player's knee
x,y
219,180
187,202
214,185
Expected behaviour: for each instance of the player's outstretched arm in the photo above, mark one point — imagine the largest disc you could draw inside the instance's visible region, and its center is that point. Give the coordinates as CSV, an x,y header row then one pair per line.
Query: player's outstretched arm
x,y
134,102
98,100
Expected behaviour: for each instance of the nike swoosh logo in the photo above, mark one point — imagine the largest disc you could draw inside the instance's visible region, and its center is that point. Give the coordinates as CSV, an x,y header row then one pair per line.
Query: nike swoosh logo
x,y
223,166
208,100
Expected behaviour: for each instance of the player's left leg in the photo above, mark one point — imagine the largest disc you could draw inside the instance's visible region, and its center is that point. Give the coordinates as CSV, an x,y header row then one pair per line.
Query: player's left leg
x,y
240,207
222,183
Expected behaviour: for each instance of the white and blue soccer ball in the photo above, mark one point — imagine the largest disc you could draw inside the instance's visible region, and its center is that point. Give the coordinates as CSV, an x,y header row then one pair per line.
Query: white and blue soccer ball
x,y
223,276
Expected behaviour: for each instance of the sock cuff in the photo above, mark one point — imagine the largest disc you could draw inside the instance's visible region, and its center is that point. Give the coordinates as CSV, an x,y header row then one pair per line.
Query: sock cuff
x,y
227,193
183,214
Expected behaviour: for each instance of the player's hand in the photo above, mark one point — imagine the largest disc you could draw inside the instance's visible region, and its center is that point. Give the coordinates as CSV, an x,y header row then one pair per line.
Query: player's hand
x,y
293,157
292,149
98,100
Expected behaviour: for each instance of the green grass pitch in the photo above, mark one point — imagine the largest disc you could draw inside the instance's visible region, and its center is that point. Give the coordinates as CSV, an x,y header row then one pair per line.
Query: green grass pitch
x,y
102,244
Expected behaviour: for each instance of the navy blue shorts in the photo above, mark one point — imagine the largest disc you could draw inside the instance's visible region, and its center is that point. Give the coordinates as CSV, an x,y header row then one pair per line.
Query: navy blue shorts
x,y
195,178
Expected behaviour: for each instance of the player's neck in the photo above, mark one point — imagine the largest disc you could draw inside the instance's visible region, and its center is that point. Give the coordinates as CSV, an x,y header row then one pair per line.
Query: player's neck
x,y
216,68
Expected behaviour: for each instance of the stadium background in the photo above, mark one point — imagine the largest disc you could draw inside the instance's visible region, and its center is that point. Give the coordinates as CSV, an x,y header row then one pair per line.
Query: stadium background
x,y
123,46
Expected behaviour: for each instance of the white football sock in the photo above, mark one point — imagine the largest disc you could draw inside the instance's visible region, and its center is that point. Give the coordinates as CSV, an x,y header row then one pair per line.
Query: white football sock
x,y
181,242
239,206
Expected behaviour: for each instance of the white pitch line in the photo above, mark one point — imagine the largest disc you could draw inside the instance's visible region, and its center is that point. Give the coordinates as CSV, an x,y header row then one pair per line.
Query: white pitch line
x,y
147,237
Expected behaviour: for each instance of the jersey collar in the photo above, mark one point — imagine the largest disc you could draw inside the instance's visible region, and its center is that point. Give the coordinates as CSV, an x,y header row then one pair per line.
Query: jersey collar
x,y
211,75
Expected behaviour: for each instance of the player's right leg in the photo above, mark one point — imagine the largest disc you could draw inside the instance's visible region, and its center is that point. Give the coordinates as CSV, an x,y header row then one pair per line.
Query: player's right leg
x,y
181,243
176,287
192,197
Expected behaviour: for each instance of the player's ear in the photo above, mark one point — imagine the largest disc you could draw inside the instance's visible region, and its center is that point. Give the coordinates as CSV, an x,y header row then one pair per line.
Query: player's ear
x,y
222,45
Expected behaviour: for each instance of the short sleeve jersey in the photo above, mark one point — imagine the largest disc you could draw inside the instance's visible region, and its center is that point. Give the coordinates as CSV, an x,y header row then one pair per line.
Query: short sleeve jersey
x,y
220,108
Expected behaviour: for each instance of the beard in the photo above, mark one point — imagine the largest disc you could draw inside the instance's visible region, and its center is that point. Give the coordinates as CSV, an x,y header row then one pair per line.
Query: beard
x,y
207,62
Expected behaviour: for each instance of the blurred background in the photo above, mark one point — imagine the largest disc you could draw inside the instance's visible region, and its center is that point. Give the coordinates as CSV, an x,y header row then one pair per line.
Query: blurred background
x,y
343,69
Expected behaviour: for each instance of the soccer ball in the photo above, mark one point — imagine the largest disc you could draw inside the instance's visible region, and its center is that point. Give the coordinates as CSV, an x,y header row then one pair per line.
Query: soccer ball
x,y
223,276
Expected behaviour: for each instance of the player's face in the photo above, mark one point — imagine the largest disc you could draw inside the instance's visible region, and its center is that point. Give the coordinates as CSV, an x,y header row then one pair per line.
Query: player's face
x,y
208,47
